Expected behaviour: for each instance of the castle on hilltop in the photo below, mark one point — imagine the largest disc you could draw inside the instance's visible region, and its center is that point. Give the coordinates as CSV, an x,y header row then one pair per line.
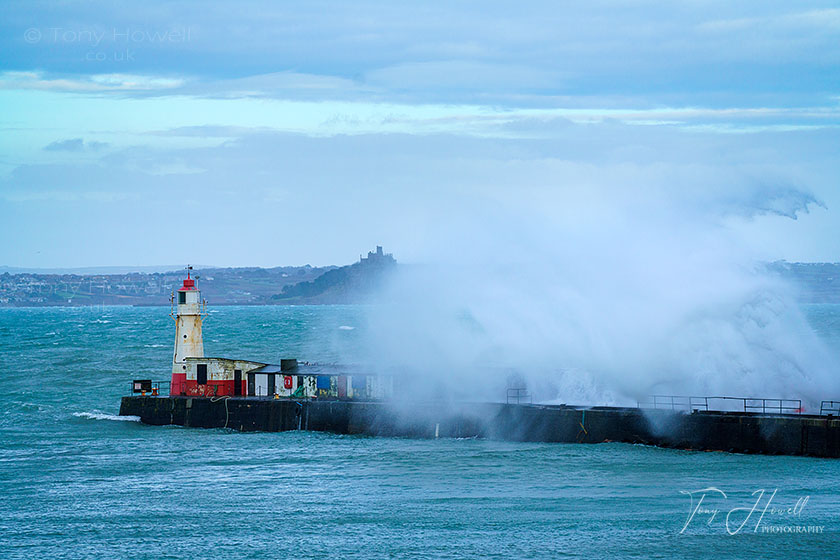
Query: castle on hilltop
x,y
377,257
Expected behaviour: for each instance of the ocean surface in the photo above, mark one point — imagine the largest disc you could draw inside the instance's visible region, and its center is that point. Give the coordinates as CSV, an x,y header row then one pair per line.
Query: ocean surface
x,y
77,481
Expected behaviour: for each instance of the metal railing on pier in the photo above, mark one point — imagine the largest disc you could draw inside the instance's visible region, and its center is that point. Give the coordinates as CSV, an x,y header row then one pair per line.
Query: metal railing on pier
x,y
149,388
674,402
519,395
830,408
724,404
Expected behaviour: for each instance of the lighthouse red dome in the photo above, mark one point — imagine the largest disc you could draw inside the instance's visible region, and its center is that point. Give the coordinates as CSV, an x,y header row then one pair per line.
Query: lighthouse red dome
x,y
189,283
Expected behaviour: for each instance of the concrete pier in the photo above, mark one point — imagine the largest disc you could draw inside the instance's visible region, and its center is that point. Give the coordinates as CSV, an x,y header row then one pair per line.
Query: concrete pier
x,y
776,434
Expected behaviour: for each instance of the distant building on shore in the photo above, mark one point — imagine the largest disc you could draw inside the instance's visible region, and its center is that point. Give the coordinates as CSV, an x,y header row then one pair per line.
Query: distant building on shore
x,y
377,257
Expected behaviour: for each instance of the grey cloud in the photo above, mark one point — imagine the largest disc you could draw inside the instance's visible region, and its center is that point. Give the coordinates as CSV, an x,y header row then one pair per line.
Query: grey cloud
x,y
398,188
75,145
71,145
657,53
469,75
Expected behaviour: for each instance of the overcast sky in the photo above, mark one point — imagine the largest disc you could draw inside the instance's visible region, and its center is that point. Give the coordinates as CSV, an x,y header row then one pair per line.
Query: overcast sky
x,y
266,133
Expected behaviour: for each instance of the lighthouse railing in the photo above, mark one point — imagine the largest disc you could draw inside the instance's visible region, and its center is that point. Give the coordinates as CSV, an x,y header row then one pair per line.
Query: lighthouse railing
x,y
155,389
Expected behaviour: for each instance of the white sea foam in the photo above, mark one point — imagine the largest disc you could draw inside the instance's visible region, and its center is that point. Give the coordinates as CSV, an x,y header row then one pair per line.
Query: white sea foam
x,y
345,328
103,416
600,295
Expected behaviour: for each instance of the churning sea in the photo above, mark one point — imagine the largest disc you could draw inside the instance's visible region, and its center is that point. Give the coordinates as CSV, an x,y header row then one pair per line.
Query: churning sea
x,y
77,481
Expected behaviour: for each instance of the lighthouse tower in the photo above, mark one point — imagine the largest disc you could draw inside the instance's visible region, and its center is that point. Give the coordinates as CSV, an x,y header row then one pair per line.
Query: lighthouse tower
x,y
188,340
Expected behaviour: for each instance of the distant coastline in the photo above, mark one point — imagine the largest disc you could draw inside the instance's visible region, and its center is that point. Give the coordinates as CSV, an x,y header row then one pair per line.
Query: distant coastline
x,y
291,285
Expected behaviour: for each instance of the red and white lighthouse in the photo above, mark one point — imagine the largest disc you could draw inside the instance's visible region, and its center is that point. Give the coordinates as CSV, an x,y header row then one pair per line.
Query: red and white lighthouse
x,y
189,342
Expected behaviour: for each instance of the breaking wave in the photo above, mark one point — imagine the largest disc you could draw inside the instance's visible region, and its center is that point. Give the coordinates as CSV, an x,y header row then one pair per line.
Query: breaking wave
x,y
103,416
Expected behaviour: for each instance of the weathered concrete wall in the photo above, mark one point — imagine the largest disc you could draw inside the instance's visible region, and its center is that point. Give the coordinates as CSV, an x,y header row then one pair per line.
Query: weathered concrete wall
x,y
724,431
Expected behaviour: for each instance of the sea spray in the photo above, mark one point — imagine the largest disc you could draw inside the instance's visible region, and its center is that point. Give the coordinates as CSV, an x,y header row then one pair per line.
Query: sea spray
x,y
653,294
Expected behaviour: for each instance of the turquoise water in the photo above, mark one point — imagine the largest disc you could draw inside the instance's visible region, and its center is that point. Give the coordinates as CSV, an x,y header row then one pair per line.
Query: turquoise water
x,y
77,482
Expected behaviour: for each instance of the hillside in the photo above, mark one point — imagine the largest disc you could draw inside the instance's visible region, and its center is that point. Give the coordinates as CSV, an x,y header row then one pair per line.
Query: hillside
x,y
290,285
349,284
220,286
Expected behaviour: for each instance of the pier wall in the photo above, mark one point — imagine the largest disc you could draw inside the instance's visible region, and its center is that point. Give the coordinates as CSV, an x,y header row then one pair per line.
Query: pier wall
x,y
817,436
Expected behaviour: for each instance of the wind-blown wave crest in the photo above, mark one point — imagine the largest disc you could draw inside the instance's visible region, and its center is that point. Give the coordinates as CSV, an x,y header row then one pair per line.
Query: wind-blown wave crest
x,y
104,416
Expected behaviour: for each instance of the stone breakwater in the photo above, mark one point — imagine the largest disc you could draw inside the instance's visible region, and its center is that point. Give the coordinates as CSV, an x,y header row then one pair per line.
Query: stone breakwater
x,y
738,432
